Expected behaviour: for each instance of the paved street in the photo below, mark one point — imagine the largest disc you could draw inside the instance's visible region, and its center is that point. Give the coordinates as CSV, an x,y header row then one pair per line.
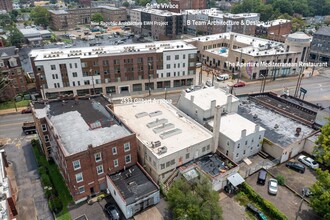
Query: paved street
x,y
31,203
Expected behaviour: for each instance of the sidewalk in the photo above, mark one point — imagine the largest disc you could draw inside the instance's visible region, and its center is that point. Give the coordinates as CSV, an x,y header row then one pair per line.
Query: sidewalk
x,y
11,111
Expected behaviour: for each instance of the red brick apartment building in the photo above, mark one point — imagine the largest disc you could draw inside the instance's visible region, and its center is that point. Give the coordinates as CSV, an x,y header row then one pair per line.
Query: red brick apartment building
x,y
6,5
188,4
12,73
7,195
274,30
86,140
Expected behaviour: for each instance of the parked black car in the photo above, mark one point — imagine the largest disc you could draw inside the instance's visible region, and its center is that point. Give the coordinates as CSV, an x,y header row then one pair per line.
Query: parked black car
x,y
112,210
296,166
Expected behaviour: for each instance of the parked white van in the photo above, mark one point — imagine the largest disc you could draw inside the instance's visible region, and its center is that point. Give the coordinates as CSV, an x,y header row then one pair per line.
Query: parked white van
x,y
222,77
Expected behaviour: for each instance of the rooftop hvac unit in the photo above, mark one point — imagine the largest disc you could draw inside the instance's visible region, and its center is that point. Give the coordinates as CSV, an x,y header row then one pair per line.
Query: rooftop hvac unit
x,y
162,150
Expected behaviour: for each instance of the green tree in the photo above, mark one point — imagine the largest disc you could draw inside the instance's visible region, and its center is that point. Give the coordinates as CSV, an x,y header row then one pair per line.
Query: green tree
x,y
297,24
194,201
97,17
40,16
16,38
5,20
320,199
322,148
284,6
126,4
142,2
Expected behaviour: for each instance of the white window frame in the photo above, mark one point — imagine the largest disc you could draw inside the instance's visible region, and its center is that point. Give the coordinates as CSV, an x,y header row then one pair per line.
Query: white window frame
x,y
130,159
82,177
114,151
81,187
128,144
95,156
97,169
47,140
73,164
115,163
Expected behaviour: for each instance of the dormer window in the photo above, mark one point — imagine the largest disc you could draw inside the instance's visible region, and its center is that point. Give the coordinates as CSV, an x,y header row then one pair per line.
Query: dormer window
x,y
12,62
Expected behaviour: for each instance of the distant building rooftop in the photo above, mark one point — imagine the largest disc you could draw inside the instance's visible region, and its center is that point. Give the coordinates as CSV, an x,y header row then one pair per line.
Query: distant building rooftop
x,y
203,97
29,32
231,126
82,124
284,134
156,12
133,184
323,31
162,123
7,51
58,12
273,22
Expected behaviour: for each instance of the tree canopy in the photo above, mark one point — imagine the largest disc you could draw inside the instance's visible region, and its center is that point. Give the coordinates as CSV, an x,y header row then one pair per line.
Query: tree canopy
x,y
16,37
274,8
194,201
320,199
322,148
40,16
97,17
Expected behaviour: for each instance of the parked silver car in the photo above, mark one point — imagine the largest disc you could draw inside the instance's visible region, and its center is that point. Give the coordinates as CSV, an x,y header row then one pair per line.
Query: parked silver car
x,y
272,186
308,161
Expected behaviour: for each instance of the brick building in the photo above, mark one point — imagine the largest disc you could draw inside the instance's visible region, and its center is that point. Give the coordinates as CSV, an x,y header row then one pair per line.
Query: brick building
x,y
86,140
6,5
114,69
157,24
274,30
188,4
320,45
11,73
68,19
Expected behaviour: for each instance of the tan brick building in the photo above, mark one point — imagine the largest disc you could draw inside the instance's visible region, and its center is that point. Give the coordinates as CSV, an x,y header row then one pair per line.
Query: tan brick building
x,y
6,5
86,140
188,4
68,19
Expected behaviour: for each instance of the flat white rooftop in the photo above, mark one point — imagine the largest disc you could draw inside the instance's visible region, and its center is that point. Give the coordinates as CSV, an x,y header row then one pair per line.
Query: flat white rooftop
x,y
203,97
273,22
231,126
162,122
86,52
156,11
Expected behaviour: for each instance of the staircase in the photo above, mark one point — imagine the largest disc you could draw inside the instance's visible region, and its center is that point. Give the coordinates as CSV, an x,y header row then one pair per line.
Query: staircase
x,y
263,154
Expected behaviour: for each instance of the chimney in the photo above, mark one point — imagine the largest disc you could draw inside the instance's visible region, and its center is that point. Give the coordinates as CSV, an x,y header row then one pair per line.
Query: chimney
x,y
213,104
257,128
216,128
243,133
192,98
229,101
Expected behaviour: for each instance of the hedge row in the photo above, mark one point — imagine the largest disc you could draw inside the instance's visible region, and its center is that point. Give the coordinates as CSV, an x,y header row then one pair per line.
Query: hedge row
x,y
51,194
267,206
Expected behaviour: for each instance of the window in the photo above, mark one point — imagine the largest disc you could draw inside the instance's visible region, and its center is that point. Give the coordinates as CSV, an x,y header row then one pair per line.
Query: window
x,y
114,150
227,142
98,157
203,149
46,138
127,159
76,164
95,63
168,66
244,152
245,142
168,57
162,166
187,156
81,189
237,155
75,65
176,57
52,67
238,145
79,177
44,127
70,65
127,146
115,163
99,169
208,147
74,74
259,137
86,82
183,65
173,162
168,163
184,56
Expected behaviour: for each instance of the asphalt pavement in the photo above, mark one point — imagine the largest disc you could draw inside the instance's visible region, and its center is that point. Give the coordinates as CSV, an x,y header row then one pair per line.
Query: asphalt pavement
x,y
31,202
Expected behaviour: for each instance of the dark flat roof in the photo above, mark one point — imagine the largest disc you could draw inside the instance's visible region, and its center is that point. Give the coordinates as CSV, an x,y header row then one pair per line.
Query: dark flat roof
x,y
91,110
133,184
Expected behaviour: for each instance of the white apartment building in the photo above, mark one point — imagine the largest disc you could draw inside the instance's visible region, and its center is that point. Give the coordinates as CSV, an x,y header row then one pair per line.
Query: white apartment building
x,y
257,57
114,69
200,104
167,138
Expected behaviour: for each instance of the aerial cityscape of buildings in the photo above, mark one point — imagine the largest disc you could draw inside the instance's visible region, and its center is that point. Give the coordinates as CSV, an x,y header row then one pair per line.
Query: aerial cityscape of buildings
x,y
128,100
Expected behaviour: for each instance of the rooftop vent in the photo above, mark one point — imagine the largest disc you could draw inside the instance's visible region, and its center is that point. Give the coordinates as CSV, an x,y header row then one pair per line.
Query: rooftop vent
x,y
141,114
170,133
162,150
155,113
164,127
156,123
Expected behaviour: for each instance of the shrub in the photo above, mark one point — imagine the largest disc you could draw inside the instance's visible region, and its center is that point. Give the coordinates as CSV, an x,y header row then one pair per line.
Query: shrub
x,y
280,179
45,180
55,205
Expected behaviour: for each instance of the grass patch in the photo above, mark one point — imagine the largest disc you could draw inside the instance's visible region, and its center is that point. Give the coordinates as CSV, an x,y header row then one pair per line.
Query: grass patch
x,y
10,104
51,177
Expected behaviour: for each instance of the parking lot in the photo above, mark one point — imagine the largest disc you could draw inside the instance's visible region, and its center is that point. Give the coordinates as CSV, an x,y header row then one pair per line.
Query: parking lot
x,y
296,181
285,200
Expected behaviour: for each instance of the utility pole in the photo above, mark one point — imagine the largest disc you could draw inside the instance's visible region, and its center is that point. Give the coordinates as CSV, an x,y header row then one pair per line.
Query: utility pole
x,y
301,75
301,202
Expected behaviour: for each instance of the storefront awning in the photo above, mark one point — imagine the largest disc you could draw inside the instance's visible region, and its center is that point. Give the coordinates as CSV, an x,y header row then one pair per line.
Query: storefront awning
x,y
236,179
